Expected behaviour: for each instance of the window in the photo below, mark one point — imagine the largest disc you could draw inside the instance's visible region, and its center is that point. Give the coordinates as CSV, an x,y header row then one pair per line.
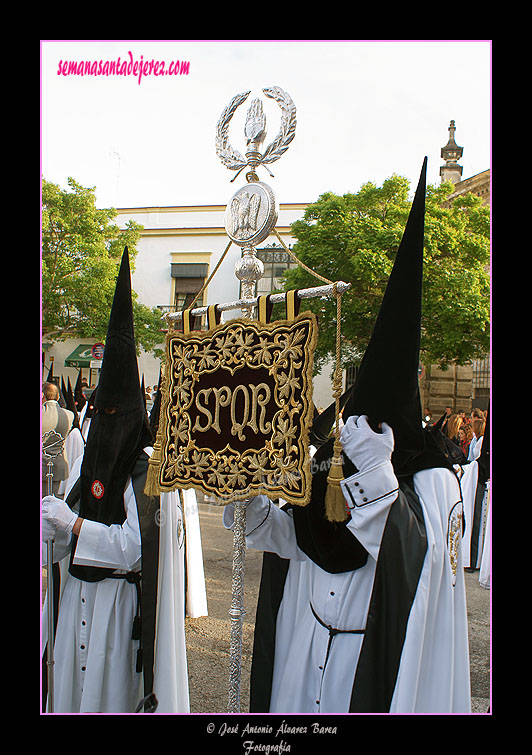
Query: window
x,y
351,376
188,280
275,261
183,300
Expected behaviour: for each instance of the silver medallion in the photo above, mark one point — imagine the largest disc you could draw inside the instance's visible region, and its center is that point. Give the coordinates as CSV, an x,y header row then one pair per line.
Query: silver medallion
x,y
251,214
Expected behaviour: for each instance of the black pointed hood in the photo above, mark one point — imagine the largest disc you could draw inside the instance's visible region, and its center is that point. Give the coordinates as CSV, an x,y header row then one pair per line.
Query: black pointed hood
x,y
119,384
63,390
71,404
156,409
387,384
78,394
386,389
115,439
143,391
88,412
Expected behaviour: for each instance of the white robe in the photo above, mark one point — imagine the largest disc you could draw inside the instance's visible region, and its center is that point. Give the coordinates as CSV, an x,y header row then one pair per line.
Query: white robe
x,y
84,423
74,448
484,576
475,447
434,669
468,483
171,671
95,618
196,595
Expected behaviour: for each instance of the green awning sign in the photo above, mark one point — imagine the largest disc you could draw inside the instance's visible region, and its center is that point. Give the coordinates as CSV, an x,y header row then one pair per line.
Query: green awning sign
x,y
80,357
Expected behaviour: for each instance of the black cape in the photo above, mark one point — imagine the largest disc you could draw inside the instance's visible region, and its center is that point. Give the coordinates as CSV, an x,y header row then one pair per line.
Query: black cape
x,y
399,566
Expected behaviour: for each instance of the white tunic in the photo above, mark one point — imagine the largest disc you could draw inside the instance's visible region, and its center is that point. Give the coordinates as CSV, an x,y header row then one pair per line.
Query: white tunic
x,y
170,682
475,447
434,669
485,564
94,654
74,448
196,596
468,483
434,674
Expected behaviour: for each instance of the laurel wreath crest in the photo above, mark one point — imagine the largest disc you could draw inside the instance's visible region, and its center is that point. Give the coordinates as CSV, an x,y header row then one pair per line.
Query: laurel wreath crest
x,y
230,157
288,125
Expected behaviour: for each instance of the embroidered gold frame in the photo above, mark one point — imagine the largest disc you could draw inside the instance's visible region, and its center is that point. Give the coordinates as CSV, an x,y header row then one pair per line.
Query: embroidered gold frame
x,y
237,410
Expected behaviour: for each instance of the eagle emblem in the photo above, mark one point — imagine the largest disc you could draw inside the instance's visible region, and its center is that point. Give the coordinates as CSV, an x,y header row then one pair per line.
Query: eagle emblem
x,y
244,214
251,214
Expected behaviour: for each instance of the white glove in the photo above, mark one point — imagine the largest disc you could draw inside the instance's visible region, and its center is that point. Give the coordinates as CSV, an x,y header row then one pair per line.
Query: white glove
x,y
48,530
365,448
57,513
257,509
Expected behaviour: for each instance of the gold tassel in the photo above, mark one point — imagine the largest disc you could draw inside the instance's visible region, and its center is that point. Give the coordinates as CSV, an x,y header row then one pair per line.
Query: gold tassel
x,y
152,486
152,478
335,505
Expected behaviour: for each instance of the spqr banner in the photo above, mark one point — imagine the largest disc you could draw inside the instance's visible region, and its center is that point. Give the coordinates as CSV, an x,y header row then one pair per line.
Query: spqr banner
x,y
236,410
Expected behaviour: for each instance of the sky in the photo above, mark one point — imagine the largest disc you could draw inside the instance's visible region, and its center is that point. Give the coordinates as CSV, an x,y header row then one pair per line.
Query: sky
x,y
366,109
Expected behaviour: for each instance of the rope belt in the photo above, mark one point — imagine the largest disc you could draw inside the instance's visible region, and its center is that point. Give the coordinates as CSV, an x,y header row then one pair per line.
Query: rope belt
x,y
134,577
332,632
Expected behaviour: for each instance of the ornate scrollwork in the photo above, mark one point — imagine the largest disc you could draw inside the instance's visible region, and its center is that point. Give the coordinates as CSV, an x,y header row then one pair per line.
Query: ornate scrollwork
x,y
238,410
454,537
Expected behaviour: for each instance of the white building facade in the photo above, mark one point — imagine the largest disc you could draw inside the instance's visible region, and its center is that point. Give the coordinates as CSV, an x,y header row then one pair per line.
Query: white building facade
x,y
178,250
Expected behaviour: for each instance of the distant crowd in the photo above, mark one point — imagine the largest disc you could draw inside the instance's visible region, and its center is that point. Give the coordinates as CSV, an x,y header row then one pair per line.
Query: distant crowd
x,y
465,431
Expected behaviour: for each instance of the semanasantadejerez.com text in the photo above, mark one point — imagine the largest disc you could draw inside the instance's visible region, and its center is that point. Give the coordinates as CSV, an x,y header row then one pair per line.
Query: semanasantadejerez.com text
x,y
127,67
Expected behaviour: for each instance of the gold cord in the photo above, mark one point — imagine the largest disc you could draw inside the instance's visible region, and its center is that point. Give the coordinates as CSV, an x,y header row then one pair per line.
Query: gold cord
x,y
211,276
301,264
337,380
335,506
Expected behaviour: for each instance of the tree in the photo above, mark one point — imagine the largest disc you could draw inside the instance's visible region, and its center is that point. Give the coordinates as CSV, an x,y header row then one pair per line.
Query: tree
x,y
355,238
81,253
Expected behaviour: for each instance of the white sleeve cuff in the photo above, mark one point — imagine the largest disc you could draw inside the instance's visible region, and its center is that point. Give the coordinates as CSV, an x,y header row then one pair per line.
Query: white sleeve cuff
x,y
370,486
87,544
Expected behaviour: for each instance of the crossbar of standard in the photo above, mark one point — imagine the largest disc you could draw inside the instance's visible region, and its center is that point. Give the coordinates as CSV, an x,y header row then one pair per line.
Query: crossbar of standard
x,y
303,293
